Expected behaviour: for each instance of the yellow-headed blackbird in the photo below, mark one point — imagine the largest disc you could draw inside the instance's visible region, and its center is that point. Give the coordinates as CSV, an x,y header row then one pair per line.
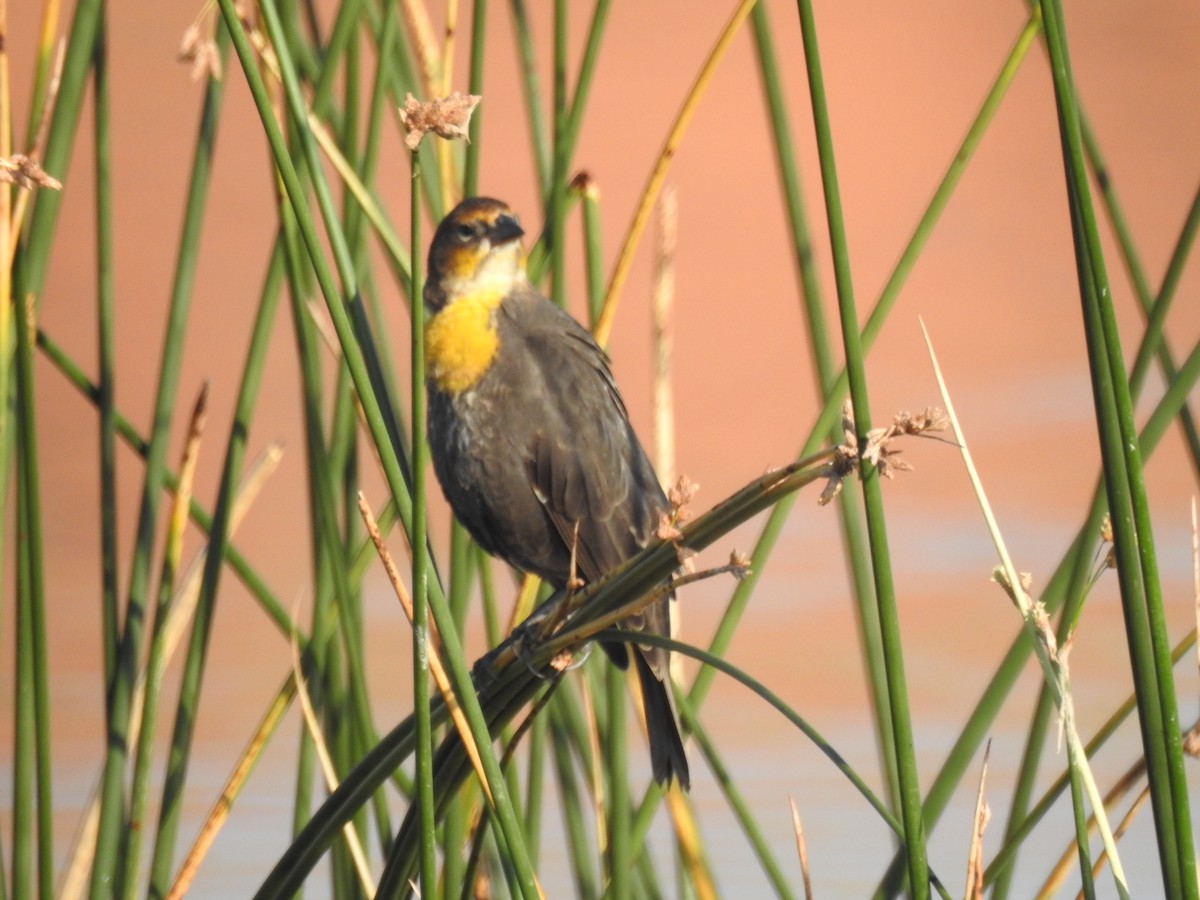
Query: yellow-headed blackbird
x,y
530,439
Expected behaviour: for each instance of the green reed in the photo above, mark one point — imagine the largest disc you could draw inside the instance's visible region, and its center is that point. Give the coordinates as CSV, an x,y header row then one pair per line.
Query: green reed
x,y
325,81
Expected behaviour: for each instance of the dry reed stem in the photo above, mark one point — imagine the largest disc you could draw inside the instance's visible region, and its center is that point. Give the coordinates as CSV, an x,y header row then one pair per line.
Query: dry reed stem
x,y
183,604
431,59
523,605
659,172
1196,575
1069,856
329,771
7,241
35,152
435,645
219,813
664,298
801,849
420,32
1123,826
1191,740
596,773
664,400
1052,660
76,876
451,192
181,503
320,131
362,194
974,889
690,844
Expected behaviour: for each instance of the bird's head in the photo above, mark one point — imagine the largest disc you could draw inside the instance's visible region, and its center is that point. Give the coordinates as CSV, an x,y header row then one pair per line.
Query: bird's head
x,y
477,247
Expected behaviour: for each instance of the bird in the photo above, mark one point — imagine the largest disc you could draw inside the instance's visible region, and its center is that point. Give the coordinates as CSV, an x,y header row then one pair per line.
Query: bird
x,y
531,442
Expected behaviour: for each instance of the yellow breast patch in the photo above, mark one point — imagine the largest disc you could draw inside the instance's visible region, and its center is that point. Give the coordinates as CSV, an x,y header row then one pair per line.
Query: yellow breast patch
x,y
461,341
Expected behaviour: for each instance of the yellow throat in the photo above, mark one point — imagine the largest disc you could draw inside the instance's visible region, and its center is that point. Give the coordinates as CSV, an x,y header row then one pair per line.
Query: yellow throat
x,y
461,341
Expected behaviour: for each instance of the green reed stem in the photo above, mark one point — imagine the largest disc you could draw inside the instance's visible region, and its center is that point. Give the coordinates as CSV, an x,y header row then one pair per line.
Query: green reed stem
x,y
24,767
111,803
311,393
573,801
583,79
140,446
736,801
105,355
1151,345
354,359
475,86
556,226
1022,829
903,745
31,706
156,663
1132,535
826,371
538,140
1035,737
1080,818
1156,309
1149,302
831,411
33,803
420,572
616,768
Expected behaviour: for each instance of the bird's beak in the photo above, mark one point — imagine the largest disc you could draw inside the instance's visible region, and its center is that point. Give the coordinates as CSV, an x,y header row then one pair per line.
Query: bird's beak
x,y
506,228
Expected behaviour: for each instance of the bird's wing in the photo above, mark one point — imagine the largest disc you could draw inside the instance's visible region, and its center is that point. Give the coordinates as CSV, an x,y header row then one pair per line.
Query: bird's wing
x,y
587,465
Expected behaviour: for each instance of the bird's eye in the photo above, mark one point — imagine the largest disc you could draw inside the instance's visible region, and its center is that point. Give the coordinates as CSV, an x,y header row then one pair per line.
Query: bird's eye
x,y
464,231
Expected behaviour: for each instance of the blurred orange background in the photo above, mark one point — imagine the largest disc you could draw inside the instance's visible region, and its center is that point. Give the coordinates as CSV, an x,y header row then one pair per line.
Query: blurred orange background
x,y
996,288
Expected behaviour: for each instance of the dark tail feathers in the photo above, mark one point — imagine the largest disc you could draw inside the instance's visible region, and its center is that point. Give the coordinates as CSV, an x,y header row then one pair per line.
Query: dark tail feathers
x,y
667,759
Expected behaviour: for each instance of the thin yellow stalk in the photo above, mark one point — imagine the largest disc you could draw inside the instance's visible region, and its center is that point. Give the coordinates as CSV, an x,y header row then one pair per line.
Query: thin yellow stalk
x,y
1196,574
329,772
189,460
664,298
445,155
596,775
436,668
183,603
659,173
430,62
7,235
1122,827
337,159
974,889
35,152
691,845
448,46
801,849
1068,859
361,194
219,813
47,37
526,595
420,31
1054,663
